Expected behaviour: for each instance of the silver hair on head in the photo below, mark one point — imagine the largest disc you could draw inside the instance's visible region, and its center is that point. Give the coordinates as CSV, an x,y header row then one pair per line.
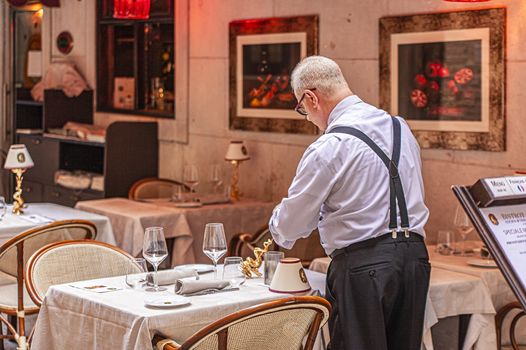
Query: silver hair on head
x,y
317,72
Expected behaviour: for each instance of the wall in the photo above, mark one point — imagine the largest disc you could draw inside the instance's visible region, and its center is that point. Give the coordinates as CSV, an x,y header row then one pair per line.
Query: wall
x,y
349,34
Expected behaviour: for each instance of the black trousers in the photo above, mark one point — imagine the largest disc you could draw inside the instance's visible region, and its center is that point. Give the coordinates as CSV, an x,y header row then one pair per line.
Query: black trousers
x,y
378,290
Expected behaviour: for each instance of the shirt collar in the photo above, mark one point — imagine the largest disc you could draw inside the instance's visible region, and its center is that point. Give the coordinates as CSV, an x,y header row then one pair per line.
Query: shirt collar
x,y
341,108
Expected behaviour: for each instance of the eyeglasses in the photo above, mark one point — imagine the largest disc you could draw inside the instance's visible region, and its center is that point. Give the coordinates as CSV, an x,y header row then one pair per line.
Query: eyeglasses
x,y
300,108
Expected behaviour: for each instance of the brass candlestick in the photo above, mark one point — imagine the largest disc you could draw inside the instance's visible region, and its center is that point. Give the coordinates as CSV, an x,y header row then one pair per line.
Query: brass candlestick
x,y
18,201
251,266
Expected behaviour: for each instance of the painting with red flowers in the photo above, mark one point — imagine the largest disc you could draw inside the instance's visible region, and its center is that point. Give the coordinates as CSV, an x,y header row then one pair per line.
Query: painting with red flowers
x,y
444,73
440,81
263,53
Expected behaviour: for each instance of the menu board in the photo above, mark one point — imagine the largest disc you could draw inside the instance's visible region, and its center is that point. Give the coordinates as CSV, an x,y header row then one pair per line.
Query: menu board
x,y
508,225
503,230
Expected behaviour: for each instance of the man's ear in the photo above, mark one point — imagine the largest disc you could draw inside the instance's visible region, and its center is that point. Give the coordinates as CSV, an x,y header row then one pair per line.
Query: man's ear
x,y
314,100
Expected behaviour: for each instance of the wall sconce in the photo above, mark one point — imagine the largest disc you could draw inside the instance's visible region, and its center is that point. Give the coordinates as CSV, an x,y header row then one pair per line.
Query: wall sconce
x,y
236,152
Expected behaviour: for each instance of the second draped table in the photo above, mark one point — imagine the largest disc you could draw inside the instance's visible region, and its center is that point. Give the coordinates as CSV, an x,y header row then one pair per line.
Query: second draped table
x,y
185,225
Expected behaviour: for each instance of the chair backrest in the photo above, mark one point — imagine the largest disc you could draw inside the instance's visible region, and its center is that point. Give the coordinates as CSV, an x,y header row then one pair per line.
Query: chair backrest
x,y
306,249
34,239
4,176
72,261
151,188
279,324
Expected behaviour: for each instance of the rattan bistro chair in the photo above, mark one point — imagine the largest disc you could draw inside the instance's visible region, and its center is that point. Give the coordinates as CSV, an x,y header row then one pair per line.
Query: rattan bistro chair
x,y
14,254
73,261
151,188
502,313
281,324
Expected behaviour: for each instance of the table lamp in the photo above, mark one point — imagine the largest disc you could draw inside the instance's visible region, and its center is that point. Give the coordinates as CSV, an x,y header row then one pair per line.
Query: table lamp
x,y
18,160
236,152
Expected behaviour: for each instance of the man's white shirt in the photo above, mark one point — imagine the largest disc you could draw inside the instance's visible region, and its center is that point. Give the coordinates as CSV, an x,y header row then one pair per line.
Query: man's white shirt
x,y
342,187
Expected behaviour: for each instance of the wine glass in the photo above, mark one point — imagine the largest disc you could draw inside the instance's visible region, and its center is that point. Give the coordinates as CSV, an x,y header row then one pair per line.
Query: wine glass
x,y
463,227
216,177
3,208
136,273
214,243
191,176
232,271
155,251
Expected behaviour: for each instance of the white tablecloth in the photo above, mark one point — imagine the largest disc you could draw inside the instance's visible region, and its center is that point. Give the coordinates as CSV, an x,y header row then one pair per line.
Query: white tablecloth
x,y
451,294
501,293
71,318
38,214
130,218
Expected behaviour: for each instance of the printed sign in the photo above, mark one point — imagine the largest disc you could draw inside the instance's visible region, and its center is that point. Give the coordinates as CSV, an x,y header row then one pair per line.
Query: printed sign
x,y
508,225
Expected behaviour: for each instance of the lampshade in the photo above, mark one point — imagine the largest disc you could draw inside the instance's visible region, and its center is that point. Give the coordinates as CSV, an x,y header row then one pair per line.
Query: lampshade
x,y
34,63
131,9
236,151
289,277
18,158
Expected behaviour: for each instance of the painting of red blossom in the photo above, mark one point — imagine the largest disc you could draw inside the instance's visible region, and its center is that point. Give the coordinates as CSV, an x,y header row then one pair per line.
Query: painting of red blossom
x,y
440,81
445,74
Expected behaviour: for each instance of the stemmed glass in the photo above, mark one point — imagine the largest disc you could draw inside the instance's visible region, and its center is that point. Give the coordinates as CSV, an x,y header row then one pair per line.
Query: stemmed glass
x,y
3,208
214,243
463,226
191,176
216,177
155,251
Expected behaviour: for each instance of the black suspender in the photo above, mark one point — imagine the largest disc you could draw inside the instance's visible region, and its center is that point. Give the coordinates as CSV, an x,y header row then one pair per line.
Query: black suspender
x,y
395,184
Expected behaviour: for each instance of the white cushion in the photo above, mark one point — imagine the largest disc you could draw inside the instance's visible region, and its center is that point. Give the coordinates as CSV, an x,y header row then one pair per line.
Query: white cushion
x,y
9,299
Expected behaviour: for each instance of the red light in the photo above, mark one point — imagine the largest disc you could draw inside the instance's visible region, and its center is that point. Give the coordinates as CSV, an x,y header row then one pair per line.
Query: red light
x,y
131,9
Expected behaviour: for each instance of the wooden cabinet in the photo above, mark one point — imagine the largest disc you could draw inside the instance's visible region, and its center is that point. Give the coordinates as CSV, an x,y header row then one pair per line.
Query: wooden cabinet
x,y
135,61
130,153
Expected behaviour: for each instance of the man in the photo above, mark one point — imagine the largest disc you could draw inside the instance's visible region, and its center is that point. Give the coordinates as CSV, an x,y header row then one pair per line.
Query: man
x,y
360,183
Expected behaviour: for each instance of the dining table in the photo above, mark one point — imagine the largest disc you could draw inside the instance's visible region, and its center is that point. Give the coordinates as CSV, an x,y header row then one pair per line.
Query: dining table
x,y
184,223
38,214
121,319
452,294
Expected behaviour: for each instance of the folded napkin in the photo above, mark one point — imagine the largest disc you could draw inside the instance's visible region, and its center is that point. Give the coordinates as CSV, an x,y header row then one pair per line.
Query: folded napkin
x,y
166,277
194,286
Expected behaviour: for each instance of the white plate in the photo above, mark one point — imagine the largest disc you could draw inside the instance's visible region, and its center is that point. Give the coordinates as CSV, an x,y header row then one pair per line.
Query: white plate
x,y
189,205
167,301
200,268
482,263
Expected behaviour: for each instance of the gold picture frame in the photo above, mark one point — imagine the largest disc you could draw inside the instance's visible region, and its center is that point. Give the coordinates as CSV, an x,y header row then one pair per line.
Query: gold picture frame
x,y
262,54
445,74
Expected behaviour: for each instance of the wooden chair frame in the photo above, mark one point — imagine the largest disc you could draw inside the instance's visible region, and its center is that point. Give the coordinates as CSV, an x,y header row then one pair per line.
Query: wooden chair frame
x,y
133,195
31,289
221,326
18,241
499,322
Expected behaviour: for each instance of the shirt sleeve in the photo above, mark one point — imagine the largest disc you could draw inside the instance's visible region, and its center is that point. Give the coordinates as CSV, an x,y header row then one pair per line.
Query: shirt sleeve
x,y
298,214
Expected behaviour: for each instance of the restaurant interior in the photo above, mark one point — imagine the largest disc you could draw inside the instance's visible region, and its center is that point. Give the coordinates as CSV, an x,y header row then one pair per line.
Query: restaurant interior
x,y
146,144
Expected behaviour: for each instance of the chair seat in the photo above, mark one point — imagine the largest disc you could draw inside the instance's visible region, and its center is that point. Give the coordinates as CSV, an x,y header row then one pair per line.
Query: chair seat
x,y
9,299
6,279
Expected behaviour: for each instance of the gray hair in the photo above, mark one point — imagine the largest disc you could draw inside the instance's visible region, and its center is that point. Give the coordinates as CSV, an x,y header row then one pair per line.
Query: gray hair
x,y
318,72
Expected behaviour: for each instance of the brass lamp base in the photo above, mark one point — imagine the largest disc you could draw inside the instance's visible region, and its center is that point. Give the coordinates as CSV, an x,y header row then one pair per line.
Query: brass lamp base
x,y
250,266
234,188
18,201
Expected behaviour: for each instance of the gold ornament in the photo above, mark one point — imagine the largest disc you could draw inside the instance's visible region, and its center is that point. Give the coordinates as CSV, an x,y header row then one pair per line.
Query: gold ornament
x,y
251,266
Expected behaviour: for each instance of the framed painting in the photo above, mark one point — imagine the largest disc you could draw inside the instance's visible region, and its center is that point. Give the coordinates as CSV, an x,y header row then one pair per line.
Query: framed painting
x,y
263,53
445,74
